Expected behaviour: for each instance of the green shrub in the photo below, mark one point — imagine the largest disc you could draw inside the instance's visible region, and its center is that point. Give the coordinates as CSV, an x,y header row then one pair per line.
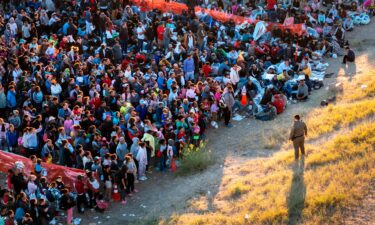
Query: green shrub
x,y
194,160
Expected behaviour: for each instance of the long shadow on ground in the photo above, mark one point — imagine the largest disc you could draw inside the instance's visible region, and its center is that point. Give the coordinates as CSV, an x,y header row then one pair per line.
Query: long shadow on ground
x,y
297,194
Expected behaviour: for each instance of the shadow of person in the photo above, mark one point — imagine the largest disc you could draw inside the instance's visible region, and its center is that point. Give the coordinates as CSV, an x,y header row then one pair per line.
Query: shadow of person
x,y
297,194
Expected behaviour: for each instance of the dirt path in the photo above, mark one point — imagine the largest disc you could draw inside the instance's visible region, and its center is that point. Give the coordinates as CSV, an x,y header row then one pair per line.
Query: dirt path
x,y
164,194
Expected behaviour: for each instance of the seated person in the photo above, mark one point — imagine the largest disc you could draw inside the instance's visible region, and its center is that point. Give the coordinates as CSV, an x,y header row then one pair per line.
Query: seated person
x,y
348,24
268,112
302,92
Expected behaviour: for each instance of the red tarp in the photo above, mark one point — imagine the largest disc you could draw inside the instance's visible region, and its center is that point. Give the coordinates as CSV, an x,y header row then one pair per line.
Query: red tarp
x,y
177,8
68,175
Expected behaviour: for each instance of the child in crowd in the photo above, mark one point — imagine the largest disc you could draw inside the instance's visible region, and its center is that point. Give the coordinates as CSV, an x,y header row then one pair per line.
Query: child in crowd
x,y
101,204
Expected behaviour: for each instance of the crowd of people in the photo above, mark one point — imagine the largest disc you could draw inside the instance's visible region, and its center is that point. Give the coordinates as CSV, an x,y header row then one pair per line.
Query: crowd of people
x,y
119,90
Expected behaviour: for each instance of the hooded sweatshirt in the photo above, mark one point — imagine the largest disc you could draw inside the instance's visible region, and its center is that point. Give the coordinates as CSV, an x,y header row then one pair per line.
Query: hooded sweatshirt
x,y
134,148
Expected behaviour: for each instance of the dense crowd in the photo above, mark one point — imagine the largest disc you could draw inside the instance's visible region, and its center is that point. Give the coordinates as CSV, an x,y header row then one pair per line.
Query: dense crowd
x,y
116,89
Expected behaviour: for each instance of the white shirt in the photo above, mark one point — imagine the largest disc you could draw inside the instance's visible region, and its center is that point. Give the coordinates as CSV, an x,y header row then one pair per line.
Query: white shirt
x,y
26,30
234,77
140,34
13,28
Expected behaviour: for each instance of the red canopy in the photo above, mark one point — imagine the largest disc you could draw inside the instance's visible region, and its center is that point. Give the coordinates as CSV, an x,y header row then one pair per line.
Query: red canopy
x,y
177,8
68,175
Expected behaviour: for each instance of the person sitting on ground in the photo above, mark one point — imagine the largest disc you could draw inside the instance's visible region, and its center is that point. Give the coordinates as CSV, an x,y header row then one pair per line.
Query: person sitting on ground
x,y
302,91
268,112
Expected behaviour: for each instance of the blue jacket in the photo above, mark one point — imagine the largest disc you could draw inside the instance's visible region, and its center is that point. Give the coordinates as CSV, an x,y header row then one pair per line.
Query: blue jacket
x,y
65,28
189,65
38,97
142,111
11,99
12,138
223,67
161,81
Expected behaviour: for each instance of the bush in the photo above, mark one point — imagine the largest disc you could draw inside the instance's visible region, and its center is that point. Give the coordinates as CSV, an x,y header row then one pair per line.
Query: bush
x,y
195,160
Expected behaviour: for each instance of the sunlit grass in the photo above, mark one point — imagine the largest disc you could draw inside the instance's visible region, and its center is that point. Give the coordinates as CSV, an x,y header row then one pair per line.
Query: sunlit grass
x,y
336,173
333,117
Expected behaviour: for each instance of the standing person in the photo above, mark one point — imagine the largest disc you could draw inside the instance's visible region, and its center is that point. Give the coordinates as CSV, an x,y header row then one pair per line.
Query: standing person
x,y
121,150
108,182
81,194
130,175
189,68
350,55
4,127
124,37
121,181
140,36
93,189
67,203
297,135
142,161
227,103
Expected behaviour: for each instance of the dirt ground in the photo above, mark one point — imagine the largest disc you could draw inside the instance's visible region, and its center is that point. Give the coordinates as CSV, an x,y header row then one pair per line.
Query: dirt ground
x,y
163,195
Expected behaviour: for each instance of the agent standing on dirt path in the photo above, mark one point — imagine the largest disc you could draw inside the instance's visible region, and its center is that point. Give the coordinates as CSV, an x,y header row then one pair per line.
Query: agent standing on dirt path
x,y
297,135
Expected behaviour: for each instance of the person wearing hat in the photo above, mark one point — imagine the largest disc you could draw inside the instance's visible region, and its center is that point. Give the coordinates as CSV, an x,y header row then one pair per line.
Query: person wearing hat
x,y
297,136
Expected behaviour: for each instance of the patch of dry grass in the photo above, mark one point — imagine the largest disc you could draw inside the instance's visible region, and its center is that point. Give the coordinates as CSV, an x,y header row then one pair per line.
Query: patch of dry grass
x,y
278,135
362,87
333,117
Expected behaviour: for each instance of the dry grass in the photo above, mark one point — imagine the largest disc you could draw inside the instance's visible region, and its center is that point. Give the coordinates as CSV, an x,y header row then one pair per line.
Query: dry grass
x,y
334,175
279,135
362,87
334,117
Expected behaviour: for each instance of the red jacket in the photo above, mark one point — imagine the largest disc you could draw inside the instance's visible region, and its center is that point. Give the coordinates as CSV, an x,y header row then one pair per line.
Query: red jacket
x,y
96,102
271,4
206,70
80,187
